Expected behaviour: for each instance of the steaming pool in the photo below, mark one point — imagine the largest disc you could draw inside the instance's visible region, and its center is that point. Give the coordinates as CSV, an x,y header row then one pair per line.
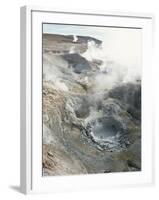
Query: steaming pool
x,y
107,133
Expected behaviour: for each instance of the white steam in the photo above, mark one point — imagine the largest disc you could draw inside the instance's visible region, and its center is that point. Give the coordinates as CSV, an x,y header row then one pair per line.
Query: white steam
x,y
94,52
75,38
72,50
120,54
61,86
54,65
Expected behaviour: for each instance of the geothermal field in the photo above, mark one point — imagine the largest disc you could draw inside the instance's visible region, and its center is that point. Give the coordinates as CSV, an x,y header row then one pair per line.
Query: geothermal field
x,y
91,108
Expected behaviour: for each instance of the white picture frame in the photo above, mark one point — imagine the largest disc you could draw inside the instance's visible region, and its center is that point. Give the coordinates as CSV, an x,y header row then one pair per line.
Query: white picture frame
x,y
31,100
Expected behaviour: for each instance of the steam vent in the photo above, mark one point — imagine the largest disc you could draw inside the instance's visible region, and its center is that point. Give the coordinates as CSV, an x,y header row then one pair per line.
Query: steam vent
x,y
91,109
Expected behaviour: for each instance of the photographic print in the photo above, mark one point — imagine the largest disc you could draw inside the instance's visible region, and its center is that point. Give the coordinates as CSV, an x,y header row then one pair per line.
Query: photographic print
x,y
91,99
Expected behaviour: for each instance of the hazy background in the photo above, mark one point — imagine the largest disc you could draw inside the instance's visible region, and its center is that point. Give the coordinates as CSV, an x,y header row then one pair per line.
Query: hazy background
x,y
122,45
121,50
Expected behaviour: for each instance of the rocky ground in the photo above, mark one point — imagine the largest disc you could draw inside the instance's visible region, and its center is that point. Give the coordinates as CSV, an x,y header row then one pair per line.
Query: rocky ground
x,y
87,128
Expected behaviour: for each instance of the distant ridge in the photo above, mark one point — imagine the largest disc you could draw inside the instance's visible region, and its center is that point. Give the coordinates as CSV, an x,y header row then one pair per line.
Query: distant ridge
x,y
70,38
63,44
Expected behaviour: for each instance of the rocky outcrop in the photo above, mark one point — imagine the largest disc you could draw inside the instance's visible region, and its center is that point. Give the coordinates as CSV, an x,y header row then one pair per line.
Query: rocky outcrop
x,y
77,62
130,96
